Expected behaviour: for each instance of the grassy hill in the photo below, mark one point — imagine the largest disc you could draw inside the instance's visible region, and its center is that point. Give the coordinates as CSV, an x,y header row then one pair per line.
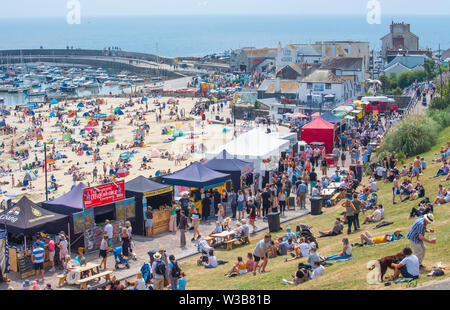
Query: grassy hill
x,y
343,275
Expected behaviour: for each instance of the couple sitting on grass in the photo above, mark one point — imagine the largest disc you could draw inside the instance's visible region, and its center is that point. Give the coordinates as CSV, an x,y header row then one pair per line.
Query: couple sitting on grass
x,y
240,267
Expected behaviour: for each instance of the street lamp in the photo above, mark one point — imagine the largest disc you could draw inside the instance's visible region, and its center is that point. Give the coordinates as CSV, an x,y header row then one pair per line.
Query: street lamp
x,y
45,167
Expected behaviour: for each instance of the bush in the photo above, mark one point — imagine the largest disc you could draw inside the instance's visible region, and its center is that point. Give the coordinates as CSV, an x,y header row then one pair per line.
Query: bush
x,y
442,117
439,103
413,135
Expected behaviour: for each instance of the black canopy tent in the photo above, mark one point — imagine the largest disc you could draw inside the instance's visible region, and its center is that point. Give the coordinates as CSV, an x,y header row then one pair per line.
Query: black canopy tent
x,y
27,218
226,163
156,195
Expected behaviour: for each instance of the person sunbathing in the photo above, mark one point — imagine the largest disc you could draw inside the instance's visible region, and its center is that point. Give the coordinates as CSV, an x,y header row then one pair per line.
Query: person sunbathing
x,y
239,268
368,239
337,229
344,254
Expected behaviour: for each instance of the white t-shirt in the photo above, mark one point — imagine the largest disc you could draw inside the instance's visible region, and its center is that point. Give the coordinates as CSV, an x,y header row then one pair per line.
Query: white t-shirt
x,y
376,215
109,230
141,285
412,264
304,249
63,244
317,272
212,261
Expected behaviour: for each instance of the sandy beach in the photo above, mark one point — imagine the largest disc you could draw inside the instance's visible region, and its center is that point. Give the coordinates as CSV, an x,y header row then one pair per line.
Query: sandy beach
x,y
210,135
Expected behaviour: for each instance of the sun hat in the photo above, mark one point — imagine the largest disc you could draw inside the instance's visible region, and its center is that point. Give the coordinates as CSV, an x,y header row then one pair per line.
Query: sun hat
x,y
157,255
398,230
429,217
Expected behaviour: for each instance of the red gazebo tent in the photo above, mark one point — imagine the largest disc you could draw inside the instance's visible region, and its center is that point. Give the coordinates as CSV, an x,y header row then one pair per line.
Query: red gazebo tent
x,y
319,130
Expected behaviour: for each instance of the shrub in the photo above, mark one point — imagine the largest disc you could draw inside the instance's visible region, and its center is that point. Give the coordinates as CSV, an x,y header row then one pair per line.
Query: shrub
x,y
414,135
439,103
442,117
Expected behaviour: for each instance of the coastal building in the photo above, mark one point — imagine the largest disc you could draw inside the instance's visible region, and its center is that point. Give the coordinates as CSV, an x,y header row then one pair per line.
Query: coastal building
x,y
404,63
277,107
324,85
400,38
250,59
348,68
295,71
314,53
278,88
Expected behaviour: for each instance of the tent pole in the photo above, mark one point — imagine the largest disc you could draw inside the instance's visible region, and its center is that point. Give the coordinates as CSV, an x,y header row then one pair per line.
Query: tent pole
x,y
68,232
25,239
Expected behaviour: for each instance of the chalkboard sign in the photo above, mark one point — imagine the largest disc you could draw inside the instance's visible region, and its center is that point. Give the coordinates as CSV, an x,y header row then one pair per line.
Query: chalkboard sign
x,y
25,264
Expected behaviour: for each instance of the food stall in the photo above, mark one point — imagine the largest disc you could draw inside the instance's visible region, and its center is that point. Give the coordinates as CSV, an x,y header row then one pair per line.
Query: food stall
x,y
23,222
88,209
197,176
147,193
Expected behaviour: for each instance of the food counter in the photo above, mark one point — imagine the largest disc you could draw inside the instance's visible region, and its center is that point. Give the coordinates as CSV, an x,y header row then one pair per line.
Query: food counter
x,y
161,219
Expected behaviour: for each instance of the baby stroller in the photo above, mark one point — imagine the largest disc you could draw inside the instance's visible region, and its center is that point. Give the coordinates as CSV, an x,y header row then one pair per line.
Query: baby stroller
x,y
203,248
305,232
119,258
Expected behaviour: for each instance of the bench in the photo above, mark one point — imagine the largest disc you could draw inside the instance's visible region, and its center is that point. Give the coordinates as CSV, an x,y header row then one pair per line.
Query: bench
x,y
208,239
83,282
62,279
335,199
245,239
229,243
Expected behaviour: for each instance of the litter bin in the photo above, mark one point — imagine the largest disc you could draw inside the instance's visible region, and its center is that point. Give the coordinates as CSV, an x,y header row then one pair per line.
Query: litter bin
x,y
273,220
316,205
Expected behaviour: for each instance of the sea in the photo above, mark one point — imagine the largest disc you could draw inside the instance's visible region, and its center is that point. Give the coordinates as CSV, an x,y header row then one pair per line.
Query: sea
x,y
201,35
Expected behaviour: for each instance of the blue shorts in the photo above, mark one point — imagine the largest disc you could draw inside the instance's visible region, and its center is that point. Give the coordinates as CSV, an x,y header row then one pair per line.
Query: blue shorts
x,y
240,206
415,171
406,274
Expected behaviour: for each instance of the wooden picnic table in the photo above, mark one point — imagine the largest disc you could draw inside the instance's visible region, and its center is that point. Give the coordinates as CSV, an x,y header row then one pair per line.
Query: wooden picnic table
x,y
224,235
328,192
78,273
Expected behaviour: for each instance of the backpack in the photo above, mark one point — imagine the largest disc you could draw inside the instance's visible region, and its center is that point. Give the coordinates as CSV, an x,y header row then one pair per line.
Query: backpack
x,y
160,268
175,272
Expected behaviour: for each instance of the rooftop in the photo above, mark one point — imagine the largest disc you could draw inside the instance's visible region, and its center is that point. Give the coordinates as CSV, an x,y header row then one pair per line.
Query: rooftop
x,y
342,63
323,76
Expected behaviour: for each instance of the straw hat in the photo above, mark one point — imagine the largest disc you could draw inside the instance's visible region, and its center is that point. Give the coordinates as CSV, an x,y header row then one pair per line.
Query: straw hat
x,y
227,220
429,217
157,255
398,230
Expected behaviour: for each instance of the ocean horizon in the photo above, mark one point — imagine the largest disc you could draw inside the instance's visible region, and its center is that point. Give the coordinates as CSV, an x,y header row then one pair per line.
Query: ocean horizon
x,y
199,35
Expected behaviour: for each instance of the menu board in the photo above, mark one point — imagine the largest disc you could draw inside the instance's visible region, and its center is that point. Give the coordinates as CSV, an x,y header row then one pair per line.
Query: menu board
x,y
120,210
125,209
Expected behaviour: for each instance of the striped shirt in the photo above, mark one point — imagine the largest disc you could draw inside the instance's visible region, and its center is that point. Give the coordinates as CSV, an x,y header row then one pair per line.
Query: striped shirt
x,y
418,228
38,255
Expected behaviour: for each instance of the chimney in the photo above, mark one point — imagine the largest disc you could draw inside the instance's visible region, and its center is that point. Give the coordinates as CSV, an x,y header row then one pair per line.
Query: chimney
x,y
333,70
278,85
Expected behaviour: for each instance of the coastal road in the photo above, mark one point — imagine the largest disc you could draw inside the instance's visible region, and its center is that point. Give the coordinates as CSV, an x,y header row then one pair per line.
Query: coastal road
x,y
443,285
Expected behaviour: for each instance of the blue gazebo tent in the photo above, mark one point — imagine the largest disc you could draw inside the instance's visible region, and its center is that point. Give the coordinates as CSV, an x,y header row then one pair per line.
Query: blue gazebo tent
x,y
195,175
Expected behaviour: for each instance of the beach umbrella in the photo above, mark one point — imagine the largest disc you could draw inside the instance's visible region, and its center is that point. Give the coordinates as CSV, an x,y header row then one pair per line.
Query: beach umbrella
x,y
80,105
125,155
86,114
54,101
2,124
298,115
29,176
93,123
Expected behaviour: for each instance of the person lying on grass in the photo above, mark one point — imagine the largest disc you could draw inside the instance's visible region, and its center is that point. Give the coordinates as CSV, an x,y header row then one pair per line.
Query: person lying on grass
x,y
344,254
337,229
368,239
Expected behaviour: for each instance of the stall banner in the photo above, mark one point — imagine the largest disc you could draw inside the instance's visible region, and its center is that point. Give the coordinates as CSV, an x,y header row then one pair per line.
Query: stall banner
x,y
120,210
78,222
129,203
103,194
89,220
93,237
160,191
4,252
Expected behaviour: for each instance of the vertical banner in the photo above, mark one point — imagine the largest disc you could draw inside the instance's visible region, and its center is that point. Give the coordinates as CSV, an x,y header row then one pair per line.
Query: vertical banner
x,y
89,220
130,208
120,210
78,223
4,252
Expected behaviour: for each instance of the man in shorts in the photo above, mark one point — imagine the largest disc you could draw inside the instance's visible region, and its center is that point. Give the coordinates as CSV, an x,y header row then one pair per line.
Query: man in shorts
x,y
416,167
37,257
260,252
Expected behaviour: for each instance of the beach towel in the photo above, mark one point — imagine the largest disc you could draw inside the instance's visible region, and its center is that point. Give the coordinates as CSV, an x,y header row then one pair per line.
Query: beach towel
x,y
344,259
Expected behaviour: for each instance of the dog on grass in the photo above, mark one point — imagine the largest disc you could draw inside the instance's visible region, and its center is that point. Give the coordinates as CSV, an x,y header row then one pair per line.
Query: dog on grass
x,y
380,266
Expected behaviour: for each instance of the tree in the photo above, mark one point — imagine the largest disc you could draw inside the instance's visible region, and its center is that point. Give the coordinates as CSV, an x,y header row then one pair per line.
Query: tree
x,y
385,83
397,92
428,66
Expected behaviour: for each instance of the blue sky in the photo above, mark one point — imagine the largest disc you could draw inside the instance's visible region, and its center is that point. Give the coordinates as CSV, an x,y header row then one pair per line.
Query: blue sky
x,y
46,8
